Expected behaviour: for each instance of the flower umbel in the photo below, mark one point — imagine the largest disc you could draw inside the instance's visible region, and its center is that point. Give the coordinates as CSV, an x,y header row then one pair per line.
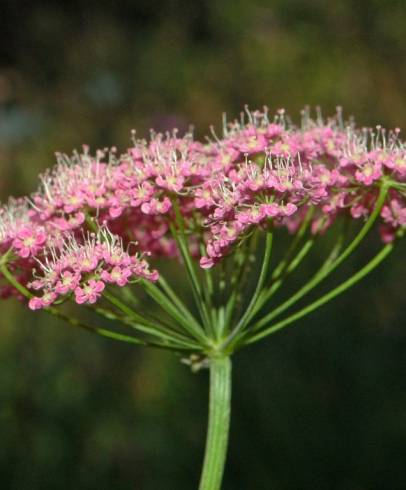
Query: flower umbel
x,y
88,234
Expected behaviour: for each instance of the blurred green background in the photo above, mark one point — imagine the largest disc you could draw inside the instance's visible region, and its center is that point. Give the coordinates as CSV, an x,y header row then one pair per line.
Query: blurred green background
x,y
321,405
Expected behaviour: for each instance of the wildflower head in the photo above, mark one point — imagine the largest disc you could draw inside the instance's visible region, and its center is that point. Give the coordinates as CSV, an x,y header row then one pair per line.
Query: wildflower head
x,y
261,173
81,268
98,220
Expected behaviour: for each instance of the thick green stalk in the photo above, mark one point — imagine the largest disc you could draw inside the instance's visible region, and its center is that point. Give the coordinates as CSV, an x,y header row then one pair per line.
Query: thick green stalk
x,y
219,424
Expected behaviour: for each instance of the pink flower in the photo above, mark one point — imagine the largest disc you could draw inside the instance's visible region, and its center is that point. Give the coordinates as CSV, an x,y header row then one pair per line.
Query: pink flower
x,y
141,194
89,292
394,213
368,173
47,299
117,276
119,202
396,162
203,198
115,256
288,209
141,268
73,222
252,143
171,182
271,210
68,282
358,209
251,216
29,241
387,233
86,262
206,262
74,201
155,206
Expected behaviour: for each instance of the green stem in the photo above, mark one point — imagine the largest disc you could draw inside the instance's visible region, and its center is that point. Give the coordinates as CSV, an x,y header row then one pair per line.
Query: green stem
x,y
176,300
247,265
326,297
182,242
332,265
208,294
116,336
13,281
188,323
261,281
219,424
152,328
70,320
123,307
268,293
240,266
298,237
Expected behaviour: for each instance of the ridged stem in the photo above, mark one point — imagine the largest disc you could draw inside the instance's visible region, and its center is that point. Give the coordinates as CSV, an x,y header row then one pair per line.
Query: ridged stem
x,y
219,424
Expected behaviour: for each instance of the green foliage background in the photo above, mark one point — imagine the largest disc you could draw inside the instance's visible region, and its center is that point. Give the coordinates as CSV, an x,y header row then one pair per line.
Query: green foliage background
x,y
321,405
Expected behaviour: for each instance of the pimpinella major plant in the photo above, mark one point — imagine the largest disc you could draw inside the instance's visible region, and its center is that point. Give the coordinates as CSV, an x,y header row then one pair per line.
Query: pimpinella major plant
x,y
91,232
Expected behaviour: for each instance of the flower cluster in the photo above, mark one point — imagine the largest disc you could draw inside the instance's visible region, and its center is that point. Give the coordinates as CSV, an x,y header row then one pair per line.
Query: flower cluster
x,y
279,172
262,172
83,268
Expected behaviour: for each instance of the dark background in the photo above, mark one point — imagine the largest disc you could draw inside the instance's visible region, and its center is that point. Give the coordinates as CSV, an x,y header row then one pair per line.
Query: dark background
x,y
319,406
